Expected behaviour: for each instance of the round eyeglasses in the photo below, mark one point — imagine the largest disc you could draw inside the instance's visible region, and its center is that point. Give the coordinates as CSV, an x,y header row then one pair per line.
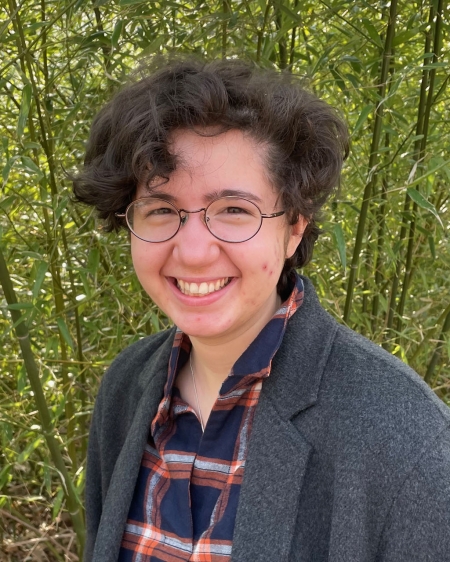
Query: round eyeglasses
x,y
230,219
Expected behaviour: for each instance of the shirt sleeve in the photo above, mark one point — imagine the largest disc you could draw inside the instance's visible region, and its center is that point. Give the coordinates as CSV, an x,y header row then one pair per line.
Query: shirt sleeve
x,y
418,526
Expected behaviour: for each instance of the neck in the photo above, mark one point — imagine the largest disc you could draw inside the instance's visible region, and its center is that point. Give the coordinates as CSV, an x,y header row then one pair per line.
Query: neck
x,y
213,359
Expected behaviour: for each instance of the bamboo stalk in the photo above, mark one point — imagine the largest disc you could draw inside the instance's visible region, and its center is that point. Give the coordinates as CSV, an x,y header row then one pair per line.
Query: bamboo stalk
x,y
423,143
373,159
47,145
293,39
48,431
380,217
437,351
407,202
381,222
261,31
226,15
282,47
106,49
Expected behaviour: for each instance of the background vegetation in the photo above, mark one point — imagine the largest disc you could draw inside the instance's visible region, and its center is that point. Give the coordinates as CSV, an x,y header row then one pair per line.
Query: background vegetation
x,y
70,300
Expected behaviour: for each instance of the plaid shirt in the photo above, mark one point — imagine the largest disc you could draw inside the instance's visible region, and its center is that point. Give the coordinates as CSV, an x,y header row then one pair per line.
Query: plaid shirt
x,y
186,496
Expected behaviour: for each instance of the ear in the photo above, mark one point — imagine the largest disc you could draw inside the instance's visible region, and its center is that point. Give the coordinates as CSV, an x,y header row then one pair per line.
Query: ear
x,y
295,235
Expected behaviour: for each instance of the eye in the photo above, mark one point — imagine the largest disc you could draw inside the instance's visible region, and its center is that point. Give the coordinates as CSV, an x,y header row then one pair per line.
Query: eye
x,y
235,210
160,211
154,209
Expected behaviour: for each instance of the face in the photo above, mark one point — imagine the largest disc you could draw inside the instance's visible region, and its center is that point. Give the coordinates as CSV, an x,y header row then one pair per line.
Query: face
x,y
240,278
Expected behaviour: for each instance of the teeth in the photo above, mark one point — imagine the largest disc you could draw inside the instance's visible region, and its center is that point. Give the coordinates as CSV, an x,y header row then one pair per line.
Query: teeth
x,y
196,290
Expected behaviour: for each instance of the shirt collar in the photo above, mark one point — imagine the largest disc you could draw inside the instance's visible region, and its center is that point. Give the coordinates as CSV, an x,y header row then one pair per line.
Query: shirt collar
x,y
254,363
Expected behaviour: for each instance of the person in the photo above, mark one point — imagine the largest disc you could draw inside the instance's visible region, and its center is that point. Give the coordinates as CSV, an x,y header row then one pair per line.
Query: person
x,y
257,428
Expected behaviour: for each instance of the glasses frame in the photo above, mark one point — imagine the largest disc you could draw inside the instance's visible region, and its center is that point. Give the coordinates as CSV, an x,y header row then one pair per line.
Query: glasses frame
x,y
184,218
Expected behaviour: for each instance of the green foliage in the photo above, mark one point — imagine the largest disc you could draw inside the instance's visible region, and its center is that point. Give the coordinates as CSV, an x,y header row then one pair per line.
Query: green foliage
x,y
382,263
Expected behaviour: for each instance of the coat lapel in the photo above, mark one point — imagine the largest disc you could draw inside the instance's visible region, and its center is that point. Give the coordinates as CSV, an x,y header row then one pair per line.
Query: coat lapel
x,y
278,453
123,481
272,482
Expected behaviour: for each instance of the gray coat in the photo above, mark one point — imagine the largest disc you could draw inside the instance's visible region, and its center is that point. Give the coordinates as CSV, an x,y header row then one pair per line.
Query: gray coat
x,y
349,457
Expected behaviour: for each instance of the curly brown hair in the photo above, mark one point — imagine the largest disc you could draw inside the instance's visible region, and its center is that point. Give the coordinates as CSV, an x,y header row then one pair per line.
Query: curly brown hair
x,y
306,140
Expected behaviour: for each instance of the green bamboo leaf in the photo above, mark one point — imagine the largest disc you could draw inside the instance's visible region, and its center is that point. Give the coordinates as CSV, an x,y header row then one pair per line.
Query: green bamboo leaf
x,y
117,32
4,475
7,202
65,332
47,478
93,261
57,503
29,145
294,17
31,166
24,110
41,270
24,455
21,379
62,206
7,169
154,45
338,234
339,81
20,306
365,112
432,246
373,33
418,198
405,36
418,180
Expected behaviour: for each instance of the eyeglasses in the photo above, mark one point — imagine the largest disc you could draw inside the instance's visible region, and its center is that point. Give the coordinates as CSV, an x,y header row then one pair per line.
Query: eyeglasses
x,y
230,219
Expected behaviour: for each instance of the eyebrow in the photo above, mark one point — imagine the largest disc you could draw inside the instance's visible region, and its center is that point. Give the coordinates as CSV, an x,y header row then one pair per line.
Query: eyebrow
x,y
216,194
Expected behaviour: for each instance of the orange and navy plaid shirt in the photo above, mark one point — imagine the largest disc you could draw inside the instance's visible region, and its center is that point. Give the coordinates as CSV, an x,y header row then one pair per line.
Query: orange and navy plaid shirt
x,y
186,496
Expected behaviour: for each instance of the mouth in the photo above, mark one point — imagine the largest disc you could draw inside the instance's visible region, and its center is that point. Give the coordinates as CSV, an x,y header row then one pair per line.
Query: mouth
x,y
202,289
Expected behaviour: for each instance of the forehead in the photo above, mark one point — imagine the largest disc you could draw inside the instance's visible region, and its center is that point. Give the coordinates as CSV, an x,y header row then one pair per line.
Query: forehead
x,y
199,147
206,162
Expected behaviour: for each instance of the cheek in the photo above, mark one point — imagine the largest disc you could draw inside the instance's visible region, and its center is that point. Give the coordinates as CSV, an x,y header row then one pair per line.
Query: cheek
x,y
267,270
146,261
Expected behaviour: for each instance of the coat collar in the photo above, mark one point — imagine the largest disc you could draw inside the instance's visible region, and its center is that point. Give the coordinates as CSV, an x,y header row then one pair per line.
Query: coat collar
x,y
298,366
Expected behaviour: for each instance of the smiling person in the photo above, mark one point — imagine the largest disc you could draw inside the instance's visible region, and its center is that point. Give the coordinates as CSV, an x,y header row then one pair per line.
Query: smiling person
x,y
258,428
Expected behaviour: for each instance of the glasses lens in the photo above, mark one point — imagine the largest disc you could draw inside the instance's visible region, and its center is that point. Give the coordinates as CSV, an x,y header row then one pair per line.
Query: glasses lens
x,y
152,219
233,219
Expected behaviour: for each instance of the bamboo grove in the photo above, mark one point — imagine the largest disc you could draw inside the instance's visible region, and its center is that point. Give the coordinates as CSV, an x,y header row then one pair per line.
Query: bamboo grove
x,y
69,300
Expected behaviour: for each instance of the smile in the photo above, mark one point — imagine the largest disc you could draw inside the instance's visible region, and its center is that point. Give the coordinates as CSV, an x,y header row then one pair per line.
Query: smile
x,y
201,289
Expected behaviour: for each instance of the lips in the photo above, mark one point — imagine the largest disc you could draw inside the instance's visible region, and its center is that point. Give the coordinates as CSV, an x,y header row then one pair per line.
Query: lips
x,y
201,289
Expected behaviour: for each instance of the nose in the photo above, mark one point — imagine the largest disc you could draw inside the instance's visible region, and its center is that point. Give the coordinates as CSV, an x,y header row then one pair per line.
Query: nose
x,y
194,245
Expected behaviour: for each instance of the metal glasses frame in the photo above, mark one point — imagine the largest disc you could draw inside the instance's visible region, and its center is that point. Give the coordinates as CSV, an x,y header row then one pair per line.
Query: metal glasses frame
x,y
184,218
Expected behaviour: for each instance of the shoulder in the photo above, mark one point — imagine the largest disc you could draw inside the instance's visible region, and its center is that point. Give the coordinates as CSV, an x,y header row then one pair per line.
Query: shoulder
x,y
133,369
366,405
362,372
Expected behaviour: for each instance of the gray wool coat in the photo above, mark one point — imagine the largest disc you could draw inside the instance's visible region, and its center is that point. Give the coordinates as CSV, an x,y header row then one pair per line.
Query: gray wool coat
x,y
349,457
